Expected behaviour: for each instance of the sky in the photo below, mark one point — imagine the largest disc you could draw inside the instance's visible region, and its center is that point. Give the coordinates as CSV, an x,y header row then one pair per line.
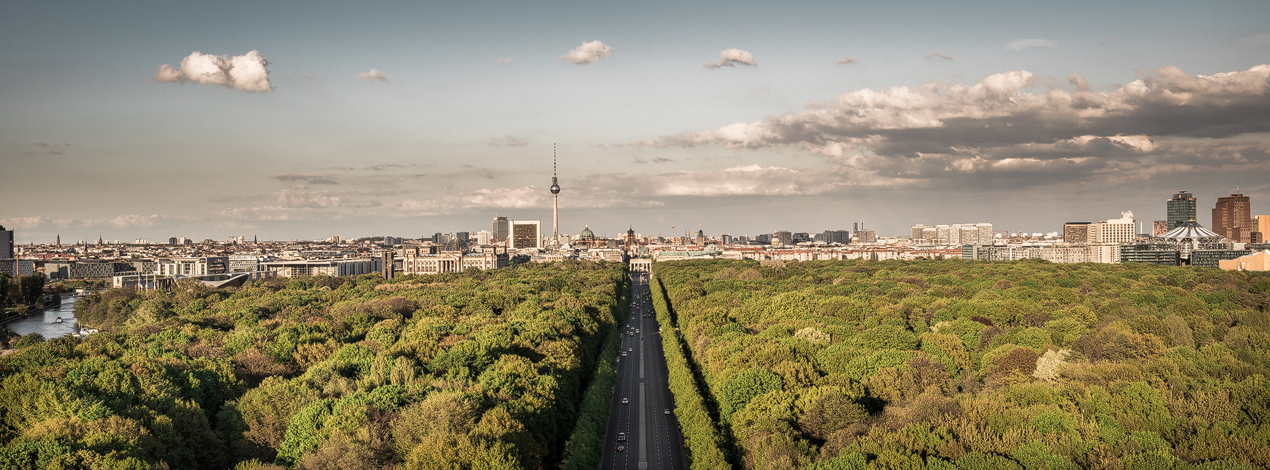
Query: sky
x,y
303,120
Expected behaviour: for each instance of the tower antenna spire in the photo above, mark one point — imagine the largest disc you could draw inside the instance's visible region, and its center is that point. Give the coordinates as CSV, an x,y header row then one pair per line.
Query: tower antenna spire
x,y
555,192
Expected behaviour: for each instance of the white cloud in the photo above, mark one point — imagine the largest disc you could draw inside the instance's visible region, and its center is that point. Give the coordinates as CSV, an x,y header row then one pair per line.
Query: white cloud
x,y
516,198
938,55
310,178
508,141
244,72
997,125
25,222
373,75
731,57
750,180
133,220
587,53
1256,40
1021,44
848,60
427,207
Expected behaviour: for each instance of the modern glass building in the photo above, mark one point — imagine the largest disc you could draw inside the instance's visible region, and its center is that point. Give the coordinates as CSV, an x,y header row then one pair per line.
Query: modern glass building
x,y
1181,208
1188,245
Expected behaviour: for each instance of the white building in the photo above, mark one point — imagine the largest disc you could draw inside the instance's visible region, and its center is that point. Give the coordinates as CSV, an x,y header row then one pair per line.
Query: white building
x,y
425,263
192,266
1116,231
1081,253
331,267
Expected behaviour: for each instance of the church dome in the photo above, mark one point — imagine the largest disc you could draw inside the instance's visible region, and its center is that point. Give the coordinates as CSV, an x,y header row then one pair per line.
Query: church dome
x,y
455,244
586,232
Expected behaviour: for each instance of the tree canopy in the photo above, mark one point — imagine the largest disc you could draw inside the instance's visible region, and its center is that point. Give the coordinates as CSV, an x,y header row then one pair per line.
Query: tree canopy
x,y
959,364
483,369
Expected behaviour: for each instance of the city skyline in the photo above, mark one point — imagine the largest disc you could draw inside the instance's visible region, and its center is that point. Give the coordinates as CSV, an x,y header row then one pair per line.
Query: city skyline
x,y
200,122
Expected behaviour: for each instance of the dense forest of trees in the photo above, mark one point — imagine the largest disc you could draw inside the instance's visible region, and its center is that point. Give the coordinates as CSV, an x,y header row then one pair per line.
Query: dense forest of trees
x,y
21,290
479,370
968,365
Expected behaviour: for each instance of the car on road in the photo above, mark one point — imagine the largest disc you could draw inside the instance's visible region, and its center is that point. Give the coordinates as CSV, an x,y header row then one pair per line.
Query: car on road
x,y
621,448
630,349
626,401
667,412
623,353
621,436
637,330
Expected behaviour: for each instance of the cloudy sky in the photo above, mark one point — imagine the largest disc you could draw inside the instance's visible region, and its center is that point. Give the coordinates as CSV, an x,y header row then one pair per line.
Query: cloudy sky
x,y
310,119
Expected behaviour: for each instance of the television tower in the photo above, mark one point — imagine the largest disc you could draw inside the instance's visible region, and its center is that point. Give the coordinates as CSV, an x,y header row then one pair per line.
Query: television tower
x,y
555,194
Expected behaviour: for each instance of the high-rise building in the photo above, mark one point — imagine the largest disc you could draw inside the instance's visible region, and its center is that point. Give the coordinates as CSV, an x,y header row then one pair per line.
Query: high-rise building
x,y
836,236
970,236
985,232
944,236
501,230
782,237
918,231
1232,218
866,236
525,234
1120,230
1181,208
1076,232
6,243
1260,228
484,237
387,265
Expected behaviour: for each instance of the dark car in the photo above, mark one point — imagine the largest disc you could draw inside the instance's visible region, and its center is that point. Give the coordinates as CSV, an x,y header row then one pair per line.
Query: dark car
x,y
621,448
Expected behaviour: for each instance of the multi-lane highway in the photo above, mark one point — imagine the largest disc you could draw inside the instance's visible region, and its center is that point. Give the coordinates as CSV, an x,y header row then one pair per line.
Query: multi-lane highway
x,y
638,414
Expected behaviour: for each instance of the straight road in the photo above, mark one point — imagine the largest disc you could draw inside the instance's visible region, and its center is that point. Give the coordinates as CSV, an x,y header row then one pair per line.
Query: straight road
x,y
652,439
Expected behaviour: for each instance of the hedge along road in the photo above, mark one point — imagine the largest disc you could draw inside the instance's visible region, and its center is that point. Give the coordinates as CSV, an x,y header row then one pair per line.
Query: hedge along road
x,y
652,436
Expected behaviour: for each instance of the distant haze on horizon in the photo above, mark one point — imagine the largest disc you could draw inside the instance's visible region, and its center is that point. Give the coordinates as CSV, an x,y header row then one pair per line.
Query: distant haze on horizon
x,y
293,120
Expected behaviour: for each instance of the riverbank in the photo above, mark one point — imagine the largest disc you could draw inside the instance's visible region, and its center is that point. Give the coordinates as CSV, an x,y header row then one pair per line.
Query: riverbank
x,y
45,322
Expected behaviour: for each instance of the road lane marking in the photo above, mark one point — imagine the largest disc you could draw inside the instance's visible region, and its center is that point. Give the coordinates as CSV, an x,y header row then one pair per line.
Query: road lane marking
x,y
643,432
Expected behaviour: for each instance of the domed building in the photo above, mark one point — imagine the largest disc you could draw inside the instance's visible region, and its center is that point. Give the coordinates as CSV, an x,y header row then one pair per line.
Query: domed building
x,y
1190,244
587,239
455,245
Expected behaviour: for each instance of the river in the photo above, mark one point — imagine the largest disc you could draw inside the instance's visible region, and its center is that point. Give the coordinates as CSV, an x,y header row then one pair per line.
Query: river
x,y
45,323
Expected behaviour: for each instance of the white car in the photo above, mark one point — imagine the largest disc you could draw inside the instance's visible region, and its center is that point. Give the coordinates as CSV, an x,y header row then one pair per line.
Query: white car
x,y
626,401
